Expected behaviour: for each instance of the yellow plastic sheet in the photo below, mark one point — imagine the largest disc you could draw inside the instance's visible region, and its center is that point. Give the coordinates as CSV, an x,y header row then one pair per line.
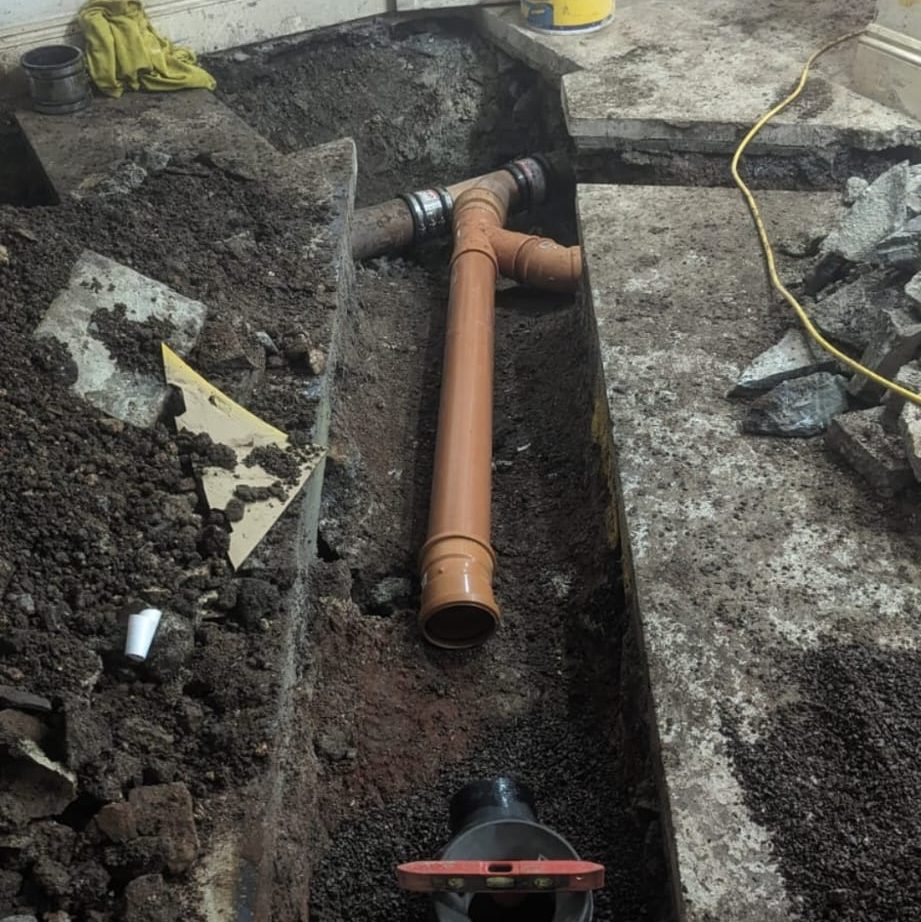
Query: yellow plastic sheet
x,y
123,51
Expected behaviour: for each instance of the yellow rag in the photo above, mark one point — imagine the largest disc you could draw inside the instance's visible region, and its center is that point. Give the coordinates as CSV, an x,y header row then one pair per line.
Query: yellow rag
x,y
124,51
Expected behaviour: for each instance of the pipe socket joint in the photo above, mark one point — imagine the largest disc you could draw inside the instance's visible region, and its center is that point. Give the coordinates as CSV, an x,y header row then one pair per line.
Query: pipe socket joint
x,y
458,607
432,211
532,177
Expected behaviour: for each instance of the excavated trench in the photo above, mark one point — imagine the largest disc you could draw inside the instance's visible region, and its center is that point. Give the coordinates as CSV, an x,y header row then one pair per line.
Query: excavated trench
x,y
392,727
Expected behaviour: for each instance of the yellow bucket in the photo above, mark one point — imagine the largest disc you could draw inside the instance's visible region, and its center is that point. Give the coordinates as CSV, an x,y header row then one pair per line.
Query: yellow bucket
x,y
567,16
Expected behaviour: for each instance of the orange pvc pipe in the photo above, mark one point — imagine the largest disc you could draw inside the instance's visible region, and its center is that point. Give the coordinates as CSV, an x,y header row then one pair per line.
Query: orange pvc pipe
x,y
458,606
458,562
537,261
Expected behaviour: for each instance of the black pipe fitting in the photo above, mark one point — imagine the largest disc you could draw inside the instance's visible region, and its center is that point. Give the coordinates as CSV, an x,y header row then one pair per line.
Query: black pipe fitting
x,y
532,176
496,820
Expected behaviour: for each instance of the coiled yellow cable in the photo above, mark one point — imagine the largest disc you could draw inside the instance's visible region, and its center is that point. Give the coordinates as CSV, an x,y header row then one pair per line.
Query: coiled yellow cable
x,y
776,281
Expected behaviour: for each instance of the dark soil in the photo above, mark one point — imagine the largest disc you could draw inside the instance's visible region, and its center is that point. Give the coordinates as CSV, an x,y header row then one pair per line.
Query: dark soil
x,y
22,180
836,778
274,460
137,345
426,100
542,700
99,519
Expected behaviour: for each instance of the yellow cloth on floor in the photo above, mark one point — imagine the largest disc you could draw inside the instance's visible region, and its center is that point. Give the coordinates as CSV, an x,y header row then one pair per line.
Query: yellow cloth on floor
x,y
124,51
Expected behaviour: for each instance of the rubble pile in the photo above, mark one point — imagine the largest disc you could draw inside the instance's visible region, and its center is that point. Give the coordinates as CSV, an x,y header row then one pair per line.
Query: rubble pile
x,y
862,290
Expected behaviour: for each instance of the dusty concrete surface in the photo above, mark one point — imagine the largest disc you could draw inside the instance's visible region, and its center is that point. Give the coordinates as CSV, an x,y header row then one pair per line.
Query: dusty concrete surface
x,y
767,581
690,81
74,150
790,25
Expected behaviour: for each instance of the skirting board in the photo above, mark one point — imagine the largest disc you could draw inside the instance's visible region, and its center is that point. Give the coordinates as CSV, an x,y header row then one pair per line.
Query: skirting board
x,y
888,69
204,25
407,5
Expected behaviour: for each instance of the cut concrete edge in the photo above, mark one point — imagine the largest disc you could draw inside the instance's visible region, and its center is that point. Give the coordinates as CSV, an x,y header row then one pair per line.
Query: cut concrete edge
x,y
593,125
253,879
750,847
549,55
650,719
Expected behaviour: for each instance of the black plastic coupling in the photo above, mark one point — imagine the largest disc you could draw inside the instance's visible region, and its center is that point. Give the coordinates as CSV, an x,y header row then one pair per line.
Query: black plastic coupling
x,y
489,800
532,176
432,211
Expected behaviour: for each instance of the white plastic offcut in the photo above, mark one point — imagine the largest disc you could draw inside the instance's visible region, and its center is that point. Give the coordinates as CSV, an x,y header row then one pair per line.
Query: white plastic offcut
x,y
141,630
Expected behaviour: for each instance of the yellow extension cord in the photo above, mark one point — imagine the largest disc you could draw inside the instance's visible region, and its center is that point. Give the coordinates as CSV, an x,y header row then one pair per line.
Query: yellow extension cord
x,y
766,241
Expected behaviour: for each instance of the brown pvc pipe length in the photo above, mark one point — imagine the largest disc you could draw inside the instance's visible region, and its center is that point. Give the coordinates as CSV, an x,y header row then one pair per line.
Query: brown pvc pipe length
x,y
457,563
458,606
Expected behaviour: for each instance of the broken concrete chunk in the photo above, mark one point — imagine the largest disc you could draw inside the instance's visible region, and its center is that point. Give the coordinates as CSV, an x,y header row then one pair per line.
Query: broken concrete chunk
x,y
148,899
850,315
86,735
23,701
174,644
32,786
6,574
855,187
19,725
52,877
10,884
909,376
164,811
790,358
894,344
910,430
913,199
799,408
902,249
877,213
117,822
913,288
869,442
129,388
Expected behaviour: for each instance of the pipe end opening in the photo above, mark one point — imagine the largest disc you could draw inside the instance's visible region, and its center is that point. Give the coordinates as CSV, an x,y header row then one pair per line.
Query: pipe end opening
x,y
48,56
457,627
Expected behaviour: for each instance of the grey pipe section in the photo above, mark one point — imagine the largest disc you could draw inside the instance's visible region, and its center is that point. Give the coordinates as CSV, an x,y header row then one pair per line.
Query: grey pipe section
x,y
416,217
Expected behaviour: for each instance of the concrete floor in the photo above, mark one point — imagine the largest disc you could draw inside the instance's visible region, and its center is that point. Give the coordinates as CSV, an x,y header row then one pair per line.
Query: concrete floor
x,y
742,552
692,80
742,548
